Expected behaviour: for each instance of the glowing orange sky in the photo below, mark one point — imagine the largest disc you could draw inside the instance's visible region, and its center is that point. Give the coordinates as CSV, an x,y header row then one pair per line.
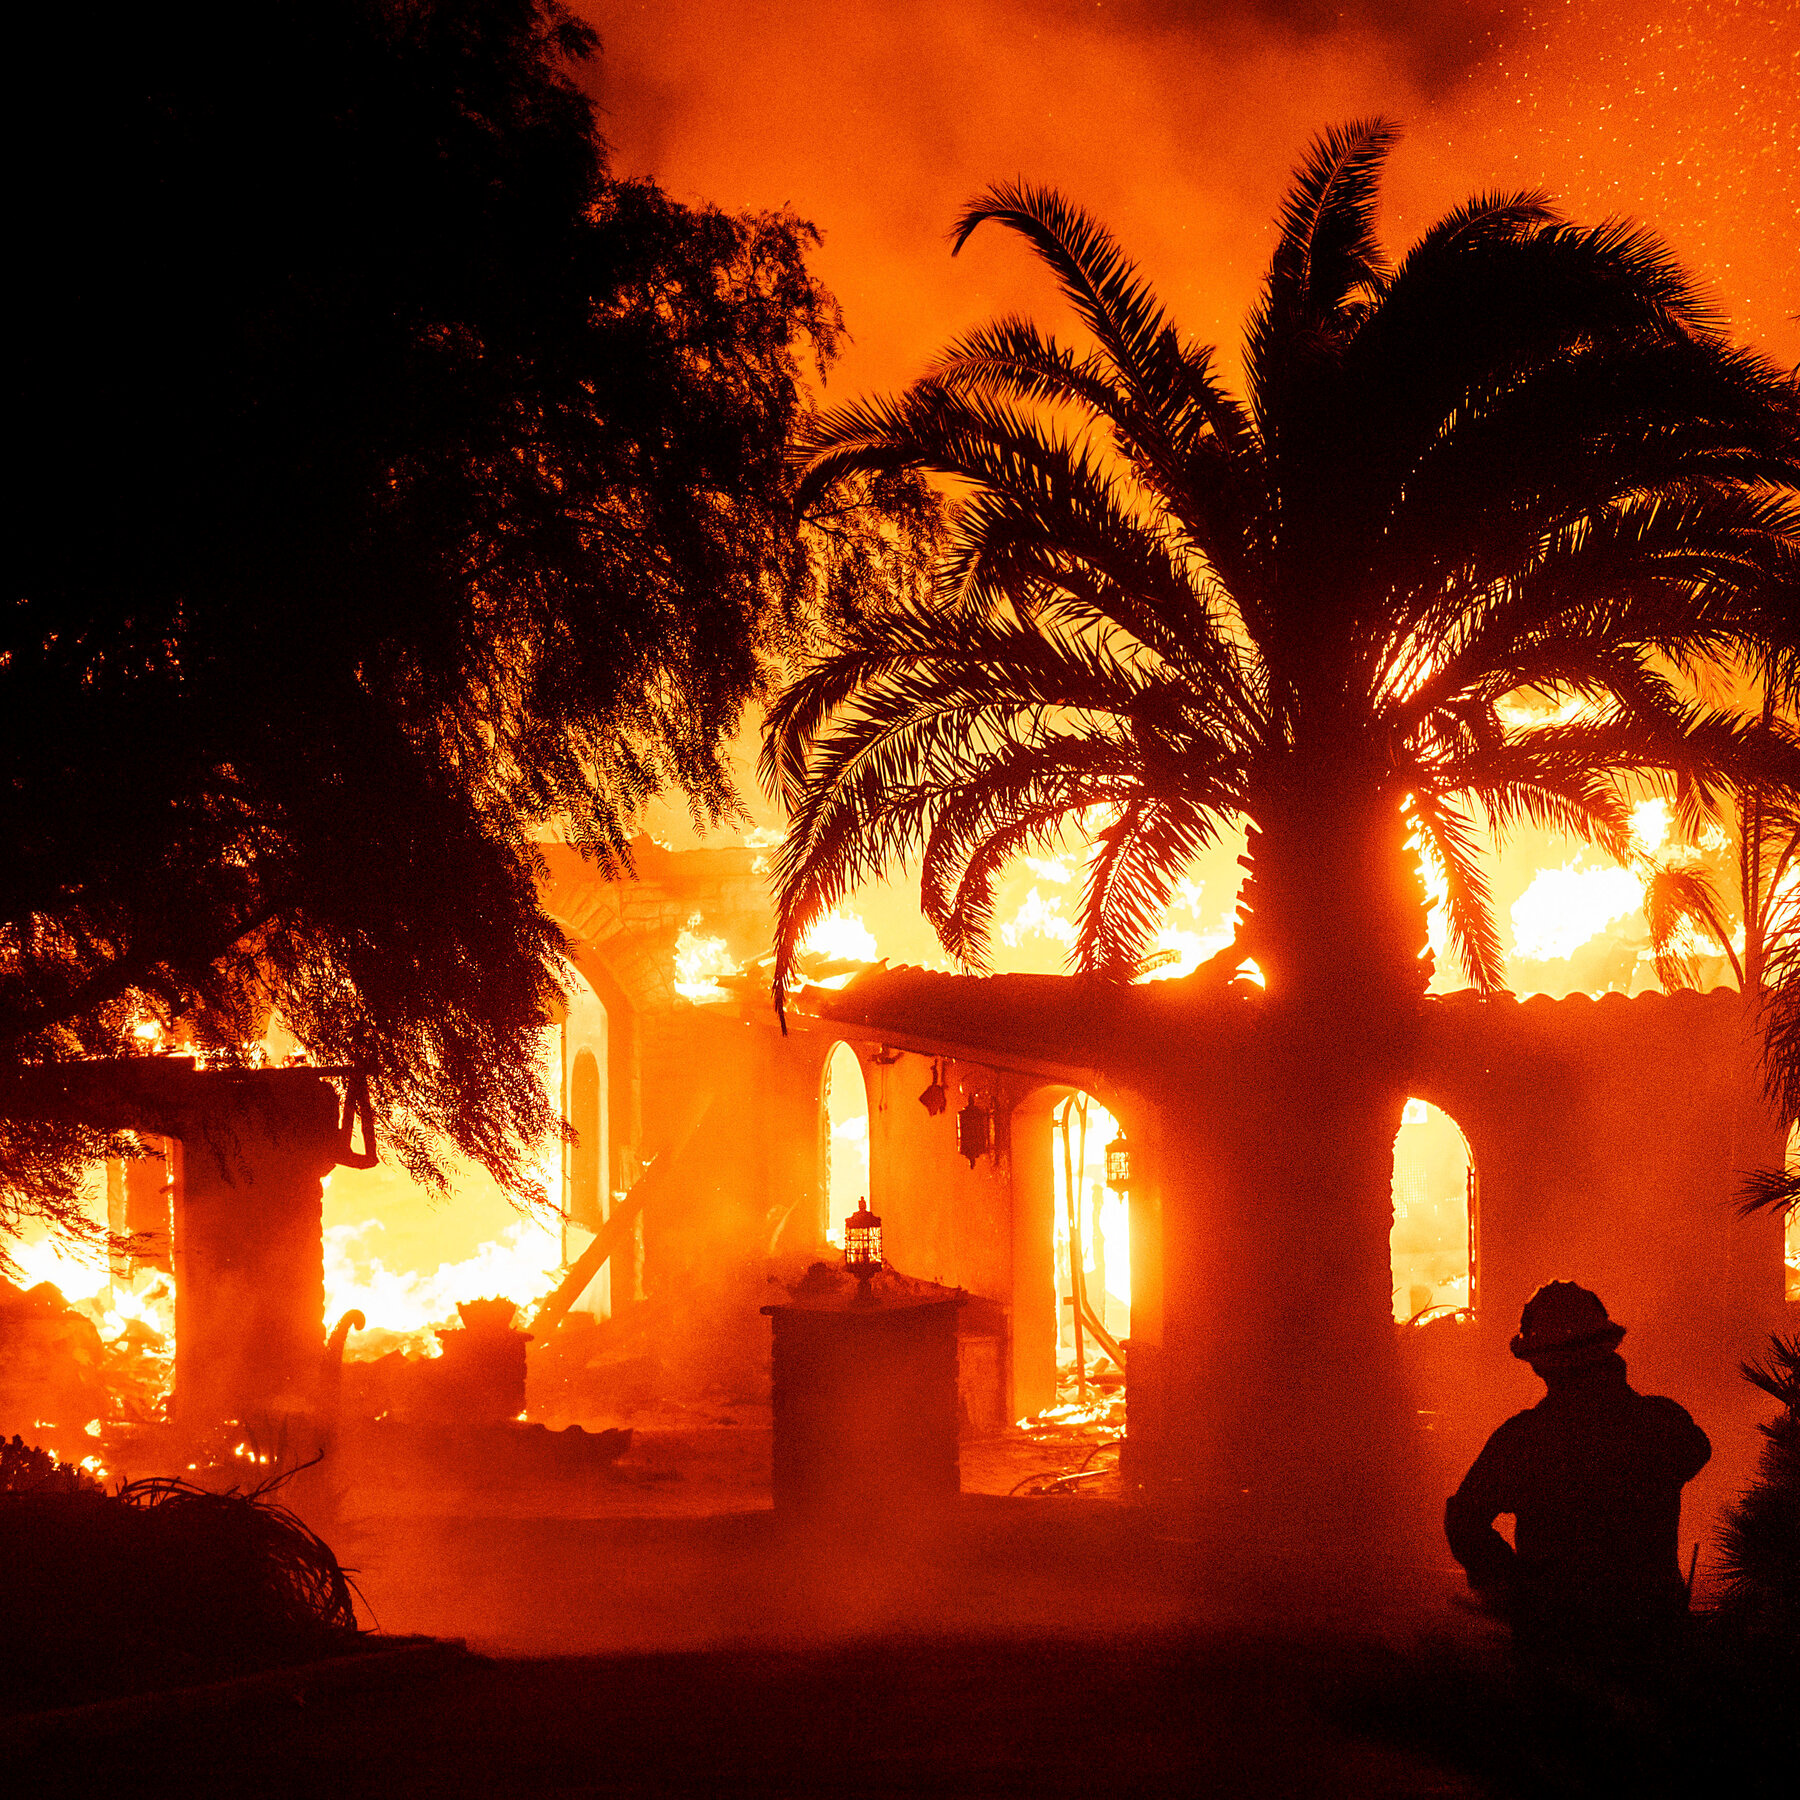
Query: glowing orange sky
x,y
1177,121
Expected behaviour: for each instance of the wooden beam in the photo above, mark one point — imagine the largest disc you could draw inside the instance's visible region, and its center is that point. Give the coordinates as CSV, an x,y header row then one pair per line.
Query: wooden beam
x,y
625,1213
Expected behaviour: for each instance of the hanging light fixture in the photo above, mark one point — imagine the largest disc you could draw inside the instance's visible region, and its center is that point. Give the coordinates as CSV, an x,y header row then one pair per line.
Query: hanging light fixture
x,y
1118,1164
862,1243
935,1098
974,1131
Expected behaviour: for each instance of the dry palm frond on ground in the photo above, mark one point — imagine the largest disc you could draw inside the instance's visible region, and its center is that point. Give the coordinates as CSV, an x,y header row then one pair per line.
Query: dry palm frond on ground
x,y
159,1584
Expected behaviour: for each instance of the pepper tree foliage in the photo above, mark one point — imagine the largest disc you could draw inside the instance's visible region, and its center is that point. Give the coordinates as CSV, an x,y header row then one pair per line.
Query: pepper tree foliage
x,y
1522,461
394,479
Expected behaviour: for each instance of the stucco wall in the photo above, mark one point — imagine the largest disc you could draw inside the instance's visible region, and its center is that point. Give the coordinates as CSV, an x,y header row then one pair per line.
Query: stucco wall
x,y
985,1227
1608,1137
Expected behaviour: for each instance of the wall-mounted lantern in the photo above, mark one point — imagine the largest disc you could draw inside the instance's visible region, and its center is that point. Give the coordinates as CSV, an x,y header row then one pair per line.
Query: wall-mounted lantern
x,y
862,1243
936,1097
1118,1164
974,1131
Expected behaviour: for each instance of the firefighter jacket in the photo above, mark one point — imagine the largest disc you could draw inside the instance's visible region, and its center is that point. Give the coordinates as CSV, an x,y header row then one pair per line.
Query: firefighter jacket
x,y
1592,1476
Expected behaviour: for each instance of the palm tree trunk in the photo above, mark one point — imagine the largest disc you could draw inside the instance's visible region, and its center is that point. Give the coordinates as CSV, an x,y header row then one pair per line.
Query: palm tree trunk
x,y
1283,1339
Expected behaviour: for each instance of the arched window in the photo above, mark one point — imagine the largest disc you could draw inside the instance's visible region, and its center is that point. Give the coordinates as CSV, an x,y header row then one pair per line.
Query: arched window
x,y
1432,1244
846,1121
587,1160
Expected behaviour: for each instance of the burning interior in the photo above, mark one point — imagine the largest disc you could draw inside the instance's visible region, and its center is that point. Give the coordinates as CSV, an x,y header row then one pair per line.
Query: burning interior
x,y
1435,1212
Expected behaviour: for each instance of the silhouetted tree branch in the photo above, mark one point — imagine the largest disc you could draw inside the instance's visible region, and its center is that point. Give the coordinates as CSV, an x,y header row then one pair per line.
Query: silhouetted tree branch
x,y
399,481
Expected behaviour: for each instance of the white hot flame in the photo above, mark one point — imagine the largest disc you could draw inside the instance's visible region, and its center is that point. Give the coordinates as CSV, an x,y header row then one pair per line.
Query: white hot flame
x,y
1568,907
699,961
843,937
522,1265
1036,914
79,1274
1650,826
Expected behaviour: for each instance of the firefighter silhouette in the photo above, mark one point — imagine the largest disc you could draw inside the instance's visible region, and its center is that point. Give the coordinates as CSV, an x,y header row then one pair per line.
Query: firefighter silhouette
x,y
1592,1476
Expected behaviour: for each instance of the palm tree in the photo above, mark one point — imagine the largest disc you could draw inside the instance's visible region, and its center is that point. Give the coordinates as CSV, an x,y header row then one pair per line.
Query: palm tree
x,y
1777,998
1523,460
1688,916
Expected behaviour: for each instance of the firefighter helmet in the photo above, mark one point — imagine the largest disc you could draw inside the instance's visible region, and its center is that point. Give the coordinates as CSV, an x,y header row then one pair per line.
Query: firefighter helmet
x,y
1565,1323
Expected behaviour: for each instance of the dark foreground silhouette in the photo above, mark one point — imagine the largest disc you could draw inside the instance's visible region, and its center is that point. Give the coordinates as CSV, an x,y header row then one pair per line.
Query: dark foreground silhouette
x,y
1592,1476
1006,1647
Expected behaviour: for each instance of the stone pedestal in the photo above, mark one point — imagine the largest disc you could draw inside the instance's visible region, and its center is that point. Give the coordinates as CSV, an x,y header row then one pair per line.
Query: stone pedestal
x,y
864,1396
249,1248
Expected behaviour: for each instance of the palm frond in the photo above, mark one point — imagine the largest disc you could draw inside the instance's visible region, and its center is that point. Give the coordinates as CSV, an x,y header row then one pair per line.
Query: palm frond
x,y
1019,800
1013,357
1196,448
1137,861
1480,220
1327,249
1769,1190
1542,373
1449,838
1674,898
1044,516
1485,488
1102,284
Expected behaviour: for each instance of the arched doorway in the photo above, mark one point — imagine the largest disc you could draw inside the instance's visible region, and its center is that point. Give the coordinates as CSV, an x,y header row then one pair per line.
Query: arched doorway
x,y
1040,1267
1432,1244
587,1191
587,1157
1091,1235
844,1128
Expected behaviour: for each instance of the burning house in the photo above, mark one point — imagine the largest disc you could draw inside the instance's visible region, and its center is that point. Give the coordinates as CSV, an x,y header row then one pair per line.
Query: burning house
x,y
716,1148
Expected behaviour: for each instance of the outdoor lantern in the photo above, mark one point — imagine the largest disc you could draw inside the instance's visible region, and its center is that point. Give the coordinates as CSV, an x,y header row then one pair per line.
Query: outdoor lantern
x,y
862,1242
935,1099
1118,1164
974,1125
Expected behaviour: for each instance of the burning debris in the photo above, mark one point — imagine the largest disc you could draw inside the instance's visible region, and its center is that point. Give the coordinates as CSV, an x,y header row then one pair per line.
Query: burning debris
x,y
406,1309
72,1372
477,1377
706,970
699,961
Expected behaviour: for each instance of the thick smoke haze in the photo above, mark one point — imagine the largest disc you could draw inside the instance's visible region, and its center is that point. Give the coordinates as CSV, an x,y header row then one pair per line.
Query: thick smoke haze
x,y
1179,123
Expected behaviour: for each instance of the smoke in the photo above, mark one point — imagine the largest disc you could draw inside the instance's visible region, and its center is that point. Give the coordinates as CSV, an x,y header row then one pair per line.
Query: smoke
x,y
1437,42
1175,123
1178,121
